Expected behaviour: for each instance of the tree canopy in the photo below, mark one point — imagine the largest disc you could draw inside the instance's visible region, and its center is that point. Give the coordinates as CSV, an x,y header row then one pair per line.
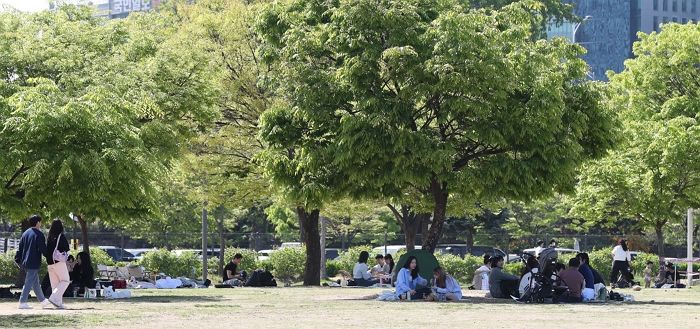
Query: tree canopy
x,y
654,176
384,96
94,111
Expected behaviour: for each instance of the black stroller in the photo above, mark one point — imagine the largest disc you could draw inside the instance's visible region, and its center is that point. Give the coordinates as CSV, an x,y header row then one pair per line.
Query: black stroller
x,y
541,287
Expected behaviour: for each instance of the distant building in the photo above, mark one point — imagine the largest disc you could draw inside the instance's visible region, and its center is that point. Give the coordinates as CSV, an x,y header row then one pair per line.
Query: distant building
x,y
611,27
117,8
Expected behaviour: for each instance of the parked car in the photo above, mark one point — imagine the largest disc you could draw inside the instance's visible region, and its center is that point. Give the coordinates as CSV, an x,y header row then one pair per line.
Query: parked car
x,y
265,254
391,249
138,253
117,254
332,253
290,245
563,253
478,251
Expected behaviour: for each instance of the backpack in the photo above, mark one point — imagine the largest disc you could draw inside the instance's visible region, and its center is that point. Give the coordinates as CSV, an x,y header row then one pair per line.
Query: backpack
x,y
261,278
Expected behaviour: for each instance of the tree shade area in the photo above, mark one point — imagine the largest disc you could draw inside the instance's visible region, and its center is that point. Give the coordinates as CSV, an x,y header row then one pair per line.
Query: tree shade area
x,y
367,121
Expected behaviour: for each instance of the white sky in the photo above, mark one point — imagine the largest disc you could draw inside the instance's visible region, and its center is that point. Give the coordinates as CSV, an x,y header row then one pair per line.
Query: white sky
x,y
34,5
27,5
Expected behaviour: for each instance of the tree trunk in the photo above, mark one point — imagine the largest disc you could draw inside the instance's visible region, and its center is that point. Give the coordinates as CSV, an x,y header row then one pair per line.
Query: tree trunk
x,y
440,194
302,233
310,231
470,239
410,223
84,233
660,248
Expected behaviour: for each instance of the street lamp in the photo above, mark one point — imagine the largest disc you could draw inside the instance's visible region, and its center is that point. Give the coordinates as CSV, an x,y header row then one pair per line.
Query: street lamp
x,y
576,26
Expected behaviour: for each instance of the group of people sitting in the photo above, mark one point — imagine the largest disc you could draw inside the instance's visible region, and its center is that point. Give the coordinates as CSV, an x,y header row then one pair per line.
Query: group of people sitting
x,y
411,286
576,283
364,276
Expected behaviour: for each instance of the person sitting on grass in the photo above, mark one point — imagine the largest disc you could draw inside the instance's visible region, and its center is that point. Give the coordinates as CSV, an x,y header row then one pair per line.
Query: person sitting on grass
x,y
526,282
231,276
382,268
389,262
588,292
446,287
573,281
481,275
408,281
501,284
360,272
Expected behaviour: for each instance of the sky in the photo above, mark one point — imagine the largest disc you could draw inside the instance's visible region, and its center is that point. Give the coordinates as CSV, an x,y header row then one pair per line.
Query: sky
x,y
27,5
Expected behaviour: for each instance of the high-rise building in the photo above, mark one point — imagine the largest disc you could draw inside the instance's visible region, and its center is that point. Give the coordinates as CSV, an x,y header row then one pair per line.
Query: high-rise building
x,y
610,27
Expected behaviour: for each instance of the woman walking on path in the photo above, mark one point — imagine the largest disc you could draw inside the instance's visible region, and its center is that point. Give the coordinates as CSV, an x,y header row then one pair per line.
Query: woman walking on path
x,y
57,248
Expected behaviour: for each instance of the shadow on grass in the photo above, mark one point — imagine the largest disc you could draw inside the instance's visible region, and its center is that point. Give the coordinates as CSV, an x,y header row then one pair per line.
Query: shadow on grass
x,y
161,299
498,301
35,321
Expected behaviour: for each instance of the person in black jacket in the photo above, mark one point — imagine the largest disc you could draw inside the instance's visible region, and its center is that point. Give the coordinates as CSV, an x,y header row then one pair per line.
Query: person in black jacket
x,y
57,248
32,246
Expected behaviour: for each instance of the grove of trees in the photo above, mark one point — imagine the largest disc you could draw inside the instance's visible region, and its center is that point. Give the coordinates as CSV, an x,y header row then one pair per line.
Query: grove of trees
x,y
376,117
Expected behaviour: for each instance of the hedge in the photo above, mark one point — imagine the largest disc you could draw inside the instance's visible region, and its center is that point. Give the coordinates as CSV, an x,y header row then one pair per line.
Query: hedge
x,y
288,264
249,261
461,269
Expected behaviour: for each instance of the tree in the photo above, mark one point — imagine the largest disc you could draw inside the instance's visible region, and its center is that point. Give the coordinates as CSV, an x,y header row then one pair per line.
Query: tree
x,y
94,111
453,101
655,173
356,222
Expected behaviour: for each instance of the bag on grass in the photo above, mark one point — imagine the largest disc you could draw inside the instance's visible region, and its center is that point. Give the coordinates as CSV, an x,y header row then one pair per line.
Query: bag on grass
x,y
261,278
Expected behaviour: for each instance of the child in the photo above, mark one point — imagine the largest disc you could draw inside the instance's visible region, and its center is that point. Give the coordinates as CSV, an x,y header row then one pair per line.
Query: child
x,y
648,275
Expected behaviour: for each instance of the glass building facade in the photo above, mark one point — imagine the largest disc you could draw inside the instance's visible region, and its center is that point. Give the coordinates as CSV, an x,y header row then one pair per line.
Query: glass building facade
x,y
611,29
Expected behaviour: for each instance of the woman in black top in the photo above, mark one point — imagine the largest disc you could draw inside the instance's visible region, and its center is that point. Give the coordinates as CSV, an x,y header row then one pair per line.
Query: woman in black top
x,y
57,248
83,274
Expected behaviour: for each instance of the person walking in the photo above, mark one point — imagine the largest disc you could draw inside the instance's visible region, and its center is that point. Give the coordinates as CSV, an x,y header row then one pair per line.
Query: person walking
x,y
621,262
57,248
32,246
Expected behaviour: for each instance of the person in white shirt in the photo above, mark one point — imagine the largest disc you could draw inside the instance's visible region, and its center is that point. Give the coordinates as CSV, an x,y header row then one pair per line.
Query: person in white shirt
x,y
621,262
481,275
526,281
382,268
361,274
539,248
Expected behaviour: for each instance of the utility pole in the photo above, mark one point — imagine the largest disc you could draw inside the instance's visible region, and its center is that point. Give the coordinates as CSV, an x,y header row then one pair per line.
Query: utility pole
x,y
205,229
690,248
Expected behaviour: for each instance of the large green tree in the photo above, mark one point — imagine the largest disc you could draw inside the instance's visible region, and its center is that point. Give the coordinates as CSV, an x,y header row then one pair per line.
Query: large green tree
x,y
655,173
94,111
456,102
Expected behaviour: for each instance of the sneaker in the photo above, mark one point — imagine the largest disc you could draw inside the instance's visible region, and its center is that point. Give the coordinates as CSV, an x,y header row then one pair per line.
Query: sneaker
x,y
46,303
24,306
57,305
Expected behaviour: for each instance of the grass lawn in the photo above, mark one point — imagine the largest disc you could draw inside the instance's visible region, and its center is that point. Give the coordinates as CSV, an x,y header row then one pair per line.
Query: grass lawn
x,y
300,307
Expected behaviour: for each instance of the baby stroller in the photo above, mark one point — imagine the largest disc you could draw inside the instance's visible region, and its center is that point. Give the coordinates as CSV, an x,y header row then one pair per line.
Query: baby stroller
x,y
542,278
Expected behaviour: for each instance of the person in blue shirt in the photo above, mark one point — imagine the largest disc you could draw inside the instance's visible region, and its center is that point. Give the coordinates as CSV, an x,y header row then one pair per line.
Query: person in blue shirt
x,y
409,281
32,247
588,292
446,287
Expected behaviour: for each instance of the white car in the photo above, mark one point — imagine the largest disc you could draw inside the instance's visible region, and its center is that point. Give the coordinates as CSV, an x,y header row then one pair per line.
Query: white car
x,y
265,254
392,249
138,253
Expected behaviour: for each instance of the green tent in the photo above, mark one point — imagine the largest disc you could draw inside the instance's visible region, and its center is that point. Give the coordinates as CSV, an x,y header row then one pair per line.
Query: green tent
x,y
426,263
